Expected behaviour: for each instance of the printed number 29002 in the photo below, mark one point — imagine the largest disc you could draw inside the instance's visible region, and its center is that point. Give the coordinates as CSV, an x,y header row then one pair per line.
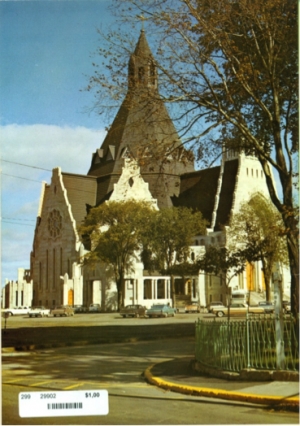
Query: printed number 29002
x,y
47,395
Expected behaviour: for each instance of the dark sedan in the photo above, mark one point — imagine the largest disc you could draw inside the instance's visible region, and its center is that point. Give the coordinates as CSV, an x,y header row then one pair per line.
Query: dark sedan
x,y
161,311
133,311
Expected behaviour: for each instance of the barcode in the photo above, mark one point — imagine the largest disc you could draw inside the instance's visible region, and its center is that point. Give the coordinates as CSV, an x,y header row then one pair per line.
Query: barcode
x,y
64,405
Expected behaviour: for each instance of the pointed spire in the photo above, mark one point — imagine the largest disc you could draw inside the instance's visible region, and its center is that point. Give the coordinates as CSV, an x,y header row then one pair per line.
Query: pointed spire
x,y
142,47
142,68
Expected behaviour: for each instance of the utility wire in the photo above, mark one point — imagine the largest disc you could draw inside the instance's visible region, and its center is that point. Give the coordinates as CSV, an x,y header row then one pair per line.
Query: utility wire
x,y
39,181
15,223
12,218
20,177
25,165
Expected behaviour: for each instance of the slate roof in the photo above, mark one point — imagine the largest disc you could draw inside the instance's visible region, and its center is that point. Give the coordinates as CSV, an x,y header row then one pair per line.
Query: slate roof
x,y
81,193
198,191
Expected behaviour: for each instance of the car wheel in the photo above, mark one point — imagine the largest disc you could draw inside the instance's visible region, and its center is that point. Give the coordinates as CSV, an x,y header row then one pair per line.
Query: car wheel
x,y
124,316
54,315
30,316
173,315
164,315
137,315
220,314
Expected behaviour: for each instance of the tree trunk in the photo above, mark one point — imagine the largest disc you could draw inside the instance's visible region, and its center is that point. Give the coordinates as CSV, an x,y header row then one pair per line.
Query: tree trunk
x,y
267,276
120,290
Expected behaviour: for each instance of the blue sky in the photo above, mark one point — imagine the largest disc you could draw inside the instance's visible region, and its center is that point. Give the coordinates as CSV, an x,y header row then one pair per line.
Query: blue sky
x,y
46,50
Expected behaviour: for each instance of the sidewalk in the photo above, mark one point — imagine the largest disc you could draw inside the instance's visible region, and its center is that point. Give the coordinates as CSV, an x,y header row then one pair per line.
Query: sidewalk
x,y
178,376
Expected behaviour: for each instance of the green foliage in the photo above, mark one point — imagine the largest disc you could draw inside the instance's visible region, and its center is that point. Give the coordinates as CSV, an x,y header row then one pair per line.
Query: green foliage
x,y
115,231
221,261
171,233
258,231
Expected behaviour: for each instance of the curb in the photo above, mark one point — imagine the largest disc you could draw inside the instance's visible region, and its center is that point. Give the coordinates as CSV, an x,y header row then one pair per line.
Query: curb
x,y
270,400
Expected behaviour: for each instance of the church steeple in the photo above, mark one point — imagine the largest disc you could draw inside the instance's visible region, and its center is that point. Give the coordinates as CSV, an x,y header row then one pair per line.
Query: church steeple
x,y
143,130
142,71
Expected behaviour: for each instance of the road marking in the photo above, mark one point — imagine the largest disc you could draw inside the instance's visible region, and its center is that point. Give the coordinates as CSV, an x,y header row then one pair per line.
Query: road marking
x,y
74,386
15,380
40,383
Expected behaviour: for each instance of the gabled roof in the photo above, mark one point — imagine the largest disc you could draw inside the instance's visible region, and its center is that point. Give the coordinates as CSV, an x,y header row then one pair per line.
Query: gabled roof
x,y
81,193
198,191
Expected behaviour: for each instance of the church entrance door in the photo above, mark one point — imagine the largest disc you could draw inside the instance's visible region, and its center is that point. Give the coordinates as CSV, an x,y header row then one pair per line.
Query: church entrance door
x,y
71,297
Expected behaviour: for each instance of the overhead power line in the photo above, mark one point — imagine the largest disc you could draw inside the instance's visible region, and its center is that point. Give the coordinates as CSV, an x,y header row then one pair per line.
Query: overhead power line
x,y
20,177
16,223
25,165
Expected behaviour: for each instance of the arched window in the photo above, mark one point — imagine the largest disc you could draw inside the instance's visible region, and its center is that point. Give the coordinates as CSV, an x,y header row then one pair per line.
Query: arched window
x,y
193,255
152,73
141,74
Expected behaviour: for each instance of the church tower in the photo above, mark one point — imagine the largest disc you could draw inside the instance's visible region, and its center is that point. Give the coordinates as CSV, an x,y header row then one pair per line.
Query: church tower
x,y
144,131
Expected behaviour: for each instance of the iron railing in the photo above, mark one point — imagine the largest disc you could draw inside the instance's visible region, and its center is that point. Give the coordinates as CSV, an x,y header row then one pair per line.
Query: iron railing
x,y
249,343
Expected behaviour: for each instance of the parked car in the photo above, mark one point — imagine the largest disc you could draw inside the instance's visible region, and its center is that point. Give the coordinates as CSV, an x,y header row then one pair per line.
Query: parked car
x,y
38,311
62,311
161,311
265,303
286,306
241,309
95,307
133,311
213,305
192,307
79,309
17,311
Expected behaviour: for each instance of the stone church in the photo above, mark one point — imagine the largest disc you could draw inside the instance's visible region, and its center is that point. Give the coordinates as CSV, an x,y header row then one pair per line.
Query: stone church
x,y
127,166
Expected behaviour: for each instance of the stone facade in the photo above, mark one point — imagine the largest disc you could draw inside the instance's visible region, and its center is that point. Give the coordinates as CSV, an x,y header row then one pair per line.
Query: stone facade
x,y
56,276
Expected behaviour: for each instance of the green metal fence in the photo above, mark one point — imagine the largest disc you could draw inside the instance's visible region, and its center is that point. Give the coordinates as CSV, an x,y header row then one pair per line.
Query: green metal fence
x,y
250,343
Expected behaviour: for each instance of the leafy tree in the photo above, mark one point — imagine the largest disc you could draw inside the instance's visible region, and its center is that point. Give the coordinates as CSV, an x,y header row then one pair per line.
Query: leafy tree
x,y
114,230
222,261
172,231
230,69
259,232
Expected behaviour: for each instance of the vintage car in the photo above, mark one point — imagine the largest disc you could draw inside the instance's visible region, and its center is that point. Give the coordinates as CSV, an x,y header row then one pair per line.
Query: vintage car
x,y
38,311
79,309
133,311
62,311
192,307
161,311
94,307
16,311
286,306
214,305
238,309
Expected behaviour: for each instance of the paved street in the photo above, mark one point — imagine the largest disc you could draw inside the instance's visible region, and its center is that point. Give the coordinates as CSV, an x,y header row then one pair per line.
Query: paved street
x,y
118,368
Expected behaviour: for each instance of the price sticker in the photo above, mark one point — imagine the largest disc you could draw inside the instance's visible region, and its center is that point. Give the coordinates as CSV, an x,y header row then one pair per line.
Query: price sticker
x,y
63,403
